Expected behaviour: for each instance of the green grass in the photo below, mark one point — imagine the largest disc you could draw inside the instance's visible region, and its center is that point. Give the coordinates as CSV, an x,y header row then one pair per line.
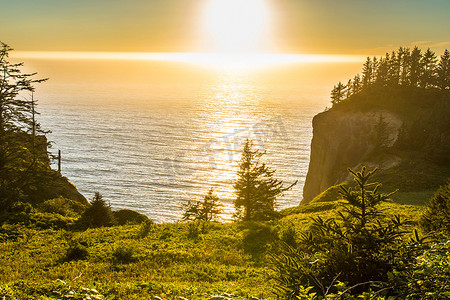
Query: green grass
x,y
413,198
191,260
166,263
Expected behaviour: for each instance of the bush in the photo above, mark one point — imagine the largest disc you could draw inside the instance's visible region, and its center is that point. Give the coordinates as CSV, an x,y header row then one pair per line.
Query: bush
x,y
145,229
63,206
257,238
123,254
194,230
76,251
128,216
206,210
289,236
99,214
437,215
425,274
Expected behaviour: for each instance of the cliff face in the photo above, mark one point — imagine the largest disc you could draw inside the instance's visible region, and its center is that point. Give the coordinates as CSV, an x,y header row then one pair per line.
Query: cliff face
x,y
404,132
343,139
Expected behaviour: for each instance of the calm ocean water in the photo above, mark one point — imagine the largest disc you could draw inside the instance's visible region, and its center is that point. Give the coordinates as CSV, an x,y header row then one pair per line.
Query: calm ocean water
x,y
150,136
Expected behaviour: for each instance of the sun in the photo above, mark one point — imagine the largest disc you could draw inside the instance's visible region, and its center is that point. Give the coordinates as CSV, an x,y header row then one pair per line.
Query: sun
x,y
236,26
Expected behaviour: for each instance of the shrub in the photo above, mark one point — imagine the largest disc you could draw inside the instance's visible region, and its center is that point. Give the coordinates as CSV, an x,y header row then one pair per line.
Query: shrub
x,y
257,238
99,214
425,274
194,230
63,206
128,216
76,251
145,228
123,254
437,215
206,210
289,236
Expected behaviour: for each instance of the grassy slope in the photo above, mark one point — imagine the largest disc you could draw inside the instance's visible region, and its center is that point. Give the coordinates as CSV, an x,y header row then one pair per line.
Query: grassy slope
x,y
167,262
172,260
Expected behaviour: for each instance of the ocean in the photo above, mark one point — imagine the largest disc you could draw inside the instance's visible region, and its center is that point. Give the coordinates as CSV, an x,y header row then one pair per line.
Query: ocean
x,y
152,135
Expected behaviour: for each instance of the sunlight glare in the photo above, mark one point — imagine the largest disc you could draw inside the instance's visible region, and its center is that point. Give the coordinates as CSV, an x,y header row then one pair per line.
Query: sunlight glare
x,y
217,61
236,26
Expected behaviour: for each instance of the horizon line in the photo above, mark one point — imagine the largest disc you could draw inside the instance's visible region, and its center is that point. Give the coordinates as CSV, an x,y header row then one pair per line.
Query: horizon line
x,y
184,56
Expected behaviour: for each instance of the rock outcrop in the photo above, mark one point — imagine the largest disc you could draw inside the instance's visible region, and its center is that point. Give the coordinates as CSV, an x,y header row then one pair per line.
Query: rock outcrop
x,y
343,139
380,133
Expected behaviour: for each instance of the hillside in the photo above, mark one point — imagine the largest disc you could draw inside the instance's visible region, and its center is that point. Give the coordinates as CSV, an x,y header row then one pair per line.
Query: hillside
x,y
403,131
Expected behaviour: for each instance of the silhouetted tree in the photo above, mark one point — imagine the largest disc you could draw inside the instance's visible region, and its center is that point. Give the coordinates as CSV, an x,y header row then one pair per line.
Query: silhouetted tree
x,y
206,210
382,71
416,66
367,73
256,188
429,61
349,89
400,68
393,70
18,158
443,71
404,55
356,84
338,93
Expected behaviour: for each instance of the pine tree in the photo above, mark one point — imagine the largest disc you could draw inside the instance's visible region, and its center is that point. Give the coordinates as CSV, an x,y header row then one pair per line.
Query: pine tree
x,y
416,67
349,89
437,215
382,71
206,210
15,113
394,70
404,57
357,246
338,93
375,65
367,73
429,74
356,85
256,188
443,71
18,158
99,214
354,245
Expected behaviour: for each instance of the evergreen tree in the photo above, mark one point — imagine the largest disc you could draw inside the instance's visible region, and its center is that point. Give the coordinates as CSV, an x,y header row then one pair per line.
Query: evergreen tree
x,y
206,210
356,247
256,188
349,89
375,65
429,63
416,67
338,93
443,71
367,73
382,71
18,156
437,215
356,85
394,70
404,58
99,214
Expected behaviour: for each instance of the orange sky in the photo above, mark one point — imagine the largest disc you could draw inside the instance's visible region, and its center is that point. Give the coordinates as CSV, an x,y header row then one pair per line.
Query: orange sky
x,y
283,26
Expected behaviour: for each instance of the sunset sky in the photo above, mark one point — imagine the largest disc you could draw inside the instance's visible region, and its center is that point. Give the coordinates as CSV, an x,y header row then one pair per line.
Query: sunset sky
x,y
282,26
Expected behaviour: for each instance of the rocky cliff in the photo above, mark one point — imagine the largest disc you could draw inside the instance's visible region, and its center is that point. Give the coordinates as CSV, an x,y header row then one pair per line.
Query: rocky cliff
x,y
384,131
